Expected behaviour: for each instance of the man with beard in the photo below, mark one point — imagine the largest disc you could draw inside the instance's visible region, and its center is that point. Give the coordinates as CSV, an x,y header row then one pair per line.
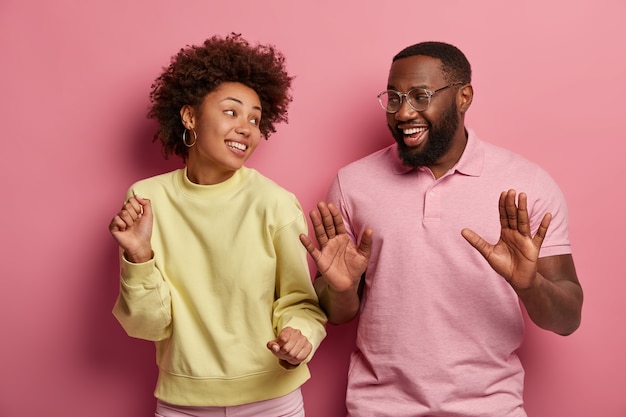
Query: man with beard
x,y
404,241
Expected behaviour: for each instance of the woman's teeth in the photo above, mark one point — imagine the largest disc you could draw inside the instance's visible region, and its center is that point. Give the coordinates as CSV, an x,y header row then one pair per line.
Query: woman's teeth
x,y
237,145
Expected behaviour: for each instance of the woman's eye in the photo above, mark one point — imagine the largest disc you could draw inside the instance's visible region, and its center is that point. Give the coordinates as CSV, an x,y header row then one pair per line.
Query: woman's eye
x,y
254,121
229,112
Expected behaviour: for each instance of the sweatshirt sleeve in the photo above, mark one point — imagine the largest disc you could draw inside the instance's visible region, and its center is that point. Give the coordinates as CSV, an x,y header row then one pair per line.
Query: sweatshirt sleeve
x,y
143,307
296,304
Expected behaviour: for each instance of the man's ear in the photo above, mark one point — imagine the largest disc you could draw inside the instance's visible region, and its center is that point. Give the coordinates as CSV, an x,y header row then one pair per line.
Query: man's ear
x,y
464,97
187,116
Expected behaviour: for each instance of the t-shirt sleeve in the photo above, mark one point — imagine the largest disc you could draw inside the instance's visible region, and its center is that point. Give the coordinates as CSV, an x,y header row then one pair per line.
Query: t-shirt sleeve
x,y
548,198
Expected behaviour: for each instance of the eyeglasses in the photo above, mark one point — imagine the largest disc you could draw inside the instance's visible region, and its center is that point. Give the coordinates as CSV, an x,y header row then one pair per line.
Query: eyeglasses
x,y
418,98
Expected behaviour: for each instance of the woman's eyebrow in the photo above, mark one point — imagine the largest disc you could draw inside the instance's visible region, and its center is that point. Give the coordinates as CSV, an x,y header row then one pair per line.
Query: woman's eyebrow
x,y
240,102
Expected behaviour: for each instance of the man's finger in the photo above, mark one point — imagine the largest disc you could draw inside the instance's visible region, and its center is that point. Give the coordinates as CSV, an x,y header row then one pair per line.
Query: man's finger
x,y
327,219
318,227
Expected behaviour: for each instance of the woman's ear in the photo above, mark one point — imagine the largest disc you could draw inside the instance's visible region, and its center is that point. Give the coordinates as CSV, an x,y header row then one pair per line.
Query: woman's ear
x,y
187,116
464,97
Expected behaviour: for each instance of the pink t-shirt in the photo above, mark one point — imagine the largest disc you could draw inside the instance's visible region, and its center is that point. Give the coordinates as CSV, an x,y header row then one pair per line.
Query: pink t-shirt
x,y
439,329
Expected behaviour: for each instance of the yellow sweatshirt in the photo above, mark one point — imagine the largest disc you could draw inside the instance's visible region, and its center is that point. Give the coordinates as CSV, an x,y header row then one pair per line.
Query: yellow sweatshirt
x,y
228,274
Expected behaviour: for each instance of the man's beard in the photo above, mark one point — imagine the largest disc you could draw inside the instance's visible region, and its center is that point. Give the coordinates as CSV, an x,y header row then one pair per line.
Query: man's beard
x,y
439,141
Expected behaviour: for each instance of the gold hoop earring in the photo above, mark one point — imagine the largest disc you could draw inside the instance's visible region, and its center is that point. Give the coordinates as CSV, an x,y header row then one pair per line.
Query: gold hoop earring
x,y
195,138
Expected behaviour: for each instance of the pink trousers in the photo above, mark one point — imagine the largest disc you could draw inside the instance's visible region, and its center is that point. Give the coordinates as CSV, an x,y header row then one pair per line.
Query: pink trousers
x,y
290,405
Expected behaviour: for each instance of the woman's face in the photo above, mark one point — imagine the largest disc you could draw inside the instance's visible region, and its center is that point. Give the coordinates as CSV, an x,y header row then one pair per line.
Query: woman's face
x,y
227,128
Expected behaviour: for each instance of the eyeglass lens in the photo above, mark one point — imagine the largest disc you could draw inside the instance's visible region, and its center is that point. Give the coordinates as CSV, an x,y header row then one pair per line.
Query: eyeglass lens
x,y
392,100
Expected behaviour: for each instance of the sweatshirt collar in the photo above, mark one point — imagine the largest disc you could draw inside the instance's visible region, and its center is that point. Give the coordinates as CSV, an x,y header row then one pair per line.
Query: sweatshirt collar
x,y
197,191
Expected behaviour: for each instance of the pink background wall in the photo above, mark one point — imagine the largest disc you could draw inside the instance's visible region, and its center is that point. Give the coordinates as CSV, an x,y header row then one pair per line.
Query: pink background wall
x,y
550,82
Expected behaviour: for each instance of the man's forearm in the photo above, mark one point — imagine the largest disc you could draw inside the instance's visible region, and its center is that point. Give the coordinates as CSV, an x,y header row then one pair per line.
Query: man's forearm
x,y
340,307
554,306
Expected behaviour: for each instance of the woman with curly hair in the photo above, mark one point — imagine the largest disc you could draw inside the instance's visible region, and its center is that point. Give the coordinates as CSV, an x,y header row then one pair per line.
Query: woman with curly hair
x,y
212,269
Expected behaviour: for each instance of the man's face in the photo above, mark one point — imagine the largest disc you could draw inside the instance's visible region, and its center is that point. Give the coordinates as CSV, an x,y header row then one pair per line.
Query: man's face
x,y
425,137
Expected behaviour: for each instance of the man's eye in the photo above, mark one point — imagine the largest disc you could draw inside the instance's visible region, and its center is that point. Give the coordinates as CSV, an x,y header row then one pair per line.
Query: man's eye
x,y
419,95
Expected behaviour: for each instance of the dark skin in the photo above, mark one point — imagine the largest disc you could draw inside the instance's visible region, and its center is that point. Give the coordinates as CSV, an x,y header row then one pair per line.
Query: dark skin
x,y
548,286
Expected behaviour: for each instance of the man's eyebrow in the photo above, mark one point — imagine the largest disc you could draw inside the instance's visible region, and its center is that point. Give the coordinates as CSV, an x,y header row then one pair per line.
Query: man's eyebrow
x,y
422,86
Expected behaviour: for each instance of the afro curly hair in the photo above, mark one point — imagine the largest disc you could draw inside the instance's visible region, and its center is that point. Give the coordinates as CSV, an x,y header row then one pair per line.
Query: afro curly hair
x,y
200,69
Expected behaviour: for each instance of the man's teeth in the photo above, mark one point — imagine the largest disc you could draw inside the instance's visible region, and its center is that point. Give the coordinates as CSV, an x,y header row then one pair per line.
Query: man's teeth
x,y
237,145
413,130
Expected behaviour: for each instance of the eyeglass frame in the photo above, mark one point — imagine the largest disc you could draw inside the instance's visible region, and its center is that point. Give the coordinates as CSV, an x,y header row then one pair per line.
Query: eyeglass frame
x,y
404,96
